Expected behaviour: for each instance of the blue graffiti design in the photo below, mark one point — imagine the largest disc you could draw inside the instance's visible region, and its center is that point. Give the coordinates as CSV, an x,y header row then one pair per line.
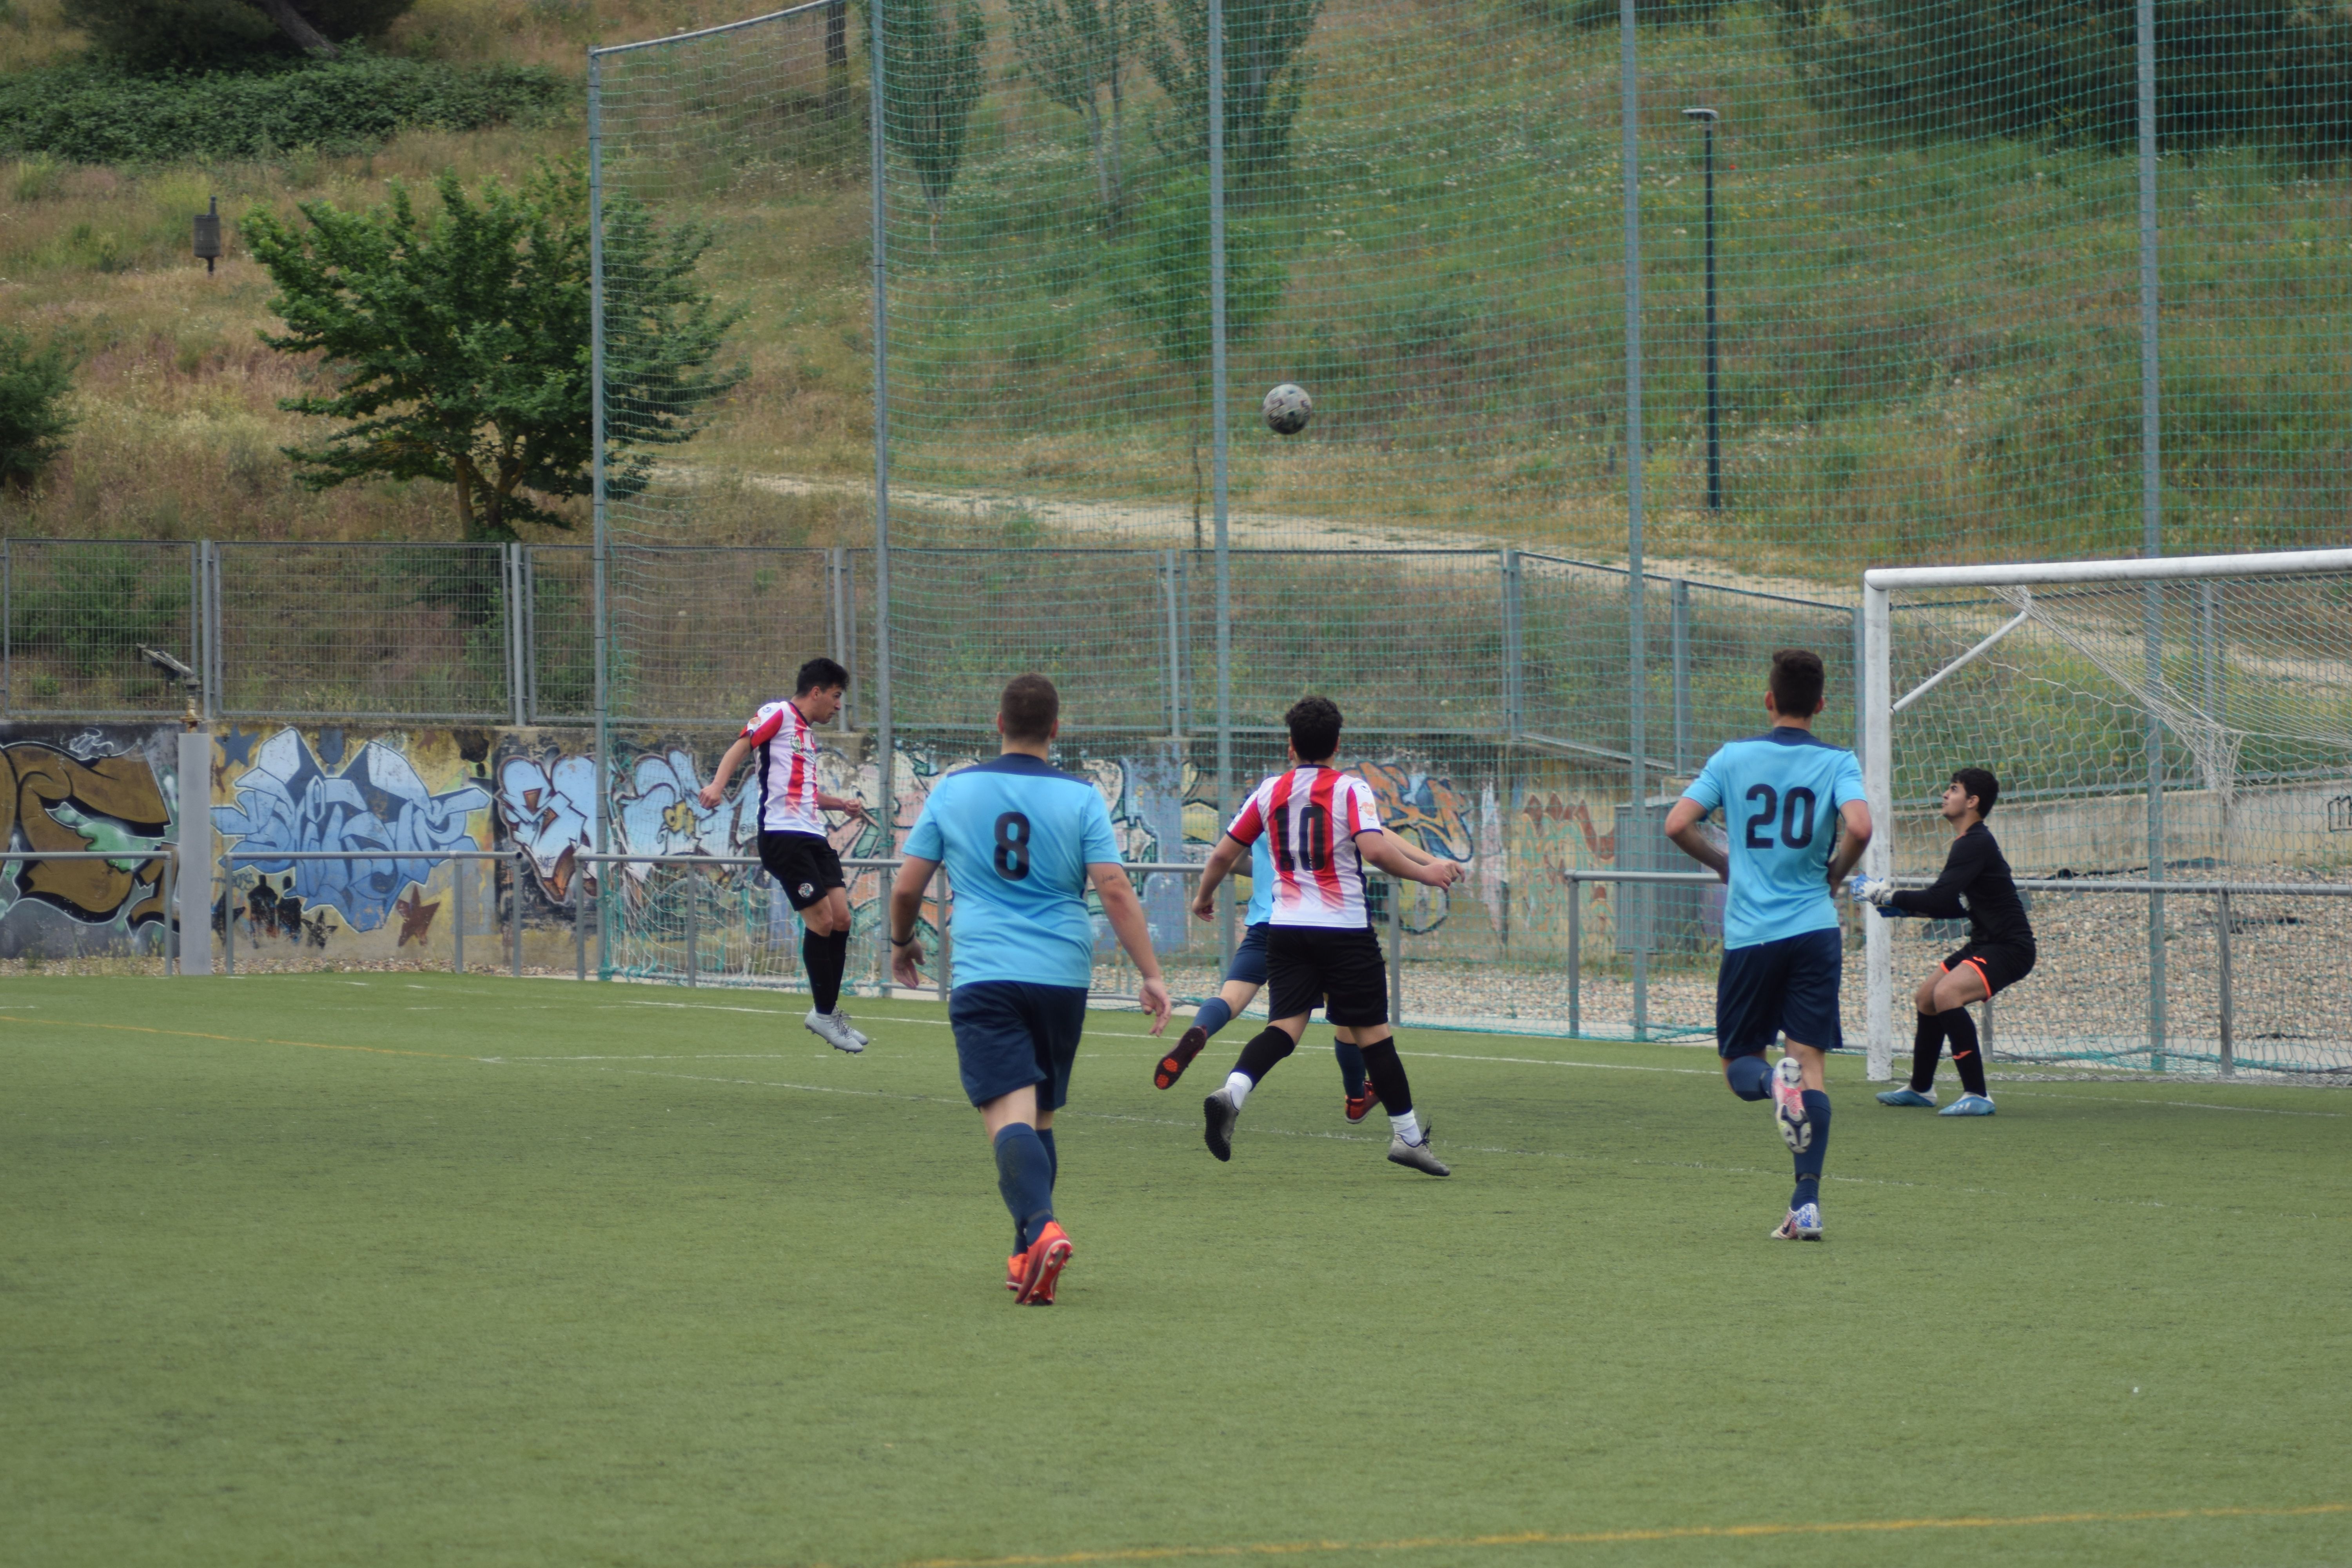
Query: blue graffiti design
x,y
376,806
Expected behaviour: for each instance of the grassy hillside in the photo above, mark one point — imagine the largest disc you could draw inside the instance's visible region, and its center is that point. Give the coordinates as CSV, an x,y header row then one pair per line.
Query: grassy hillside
x,y
1927,349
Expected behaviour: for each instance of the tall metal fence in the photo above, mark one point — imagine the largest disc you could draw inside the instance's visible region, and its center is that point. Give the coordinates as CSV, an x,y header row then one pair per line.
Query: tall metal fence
x,y
1502,646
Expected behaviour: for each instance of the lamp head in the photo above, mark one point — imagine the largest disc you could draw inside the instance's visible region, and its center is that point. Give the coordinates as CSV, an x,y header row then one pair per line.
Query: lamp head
x,y
1703,116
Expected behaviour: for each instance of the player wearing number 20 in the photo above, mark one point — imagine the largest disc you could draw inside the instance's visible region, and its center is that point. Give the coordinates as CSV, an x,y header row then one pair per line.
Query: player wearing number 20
x,y
1783,795
1021,840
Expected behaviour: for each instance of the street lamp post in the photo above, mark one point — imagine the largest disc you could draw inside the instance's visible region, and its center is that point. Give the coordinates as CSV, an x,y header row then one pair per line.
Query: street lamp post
x,y
1706,119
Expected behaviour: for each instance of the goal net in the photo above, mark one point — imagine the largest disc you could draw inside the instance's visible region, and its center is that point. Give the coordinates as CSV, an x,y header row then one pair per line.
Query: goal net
x,y
2173,738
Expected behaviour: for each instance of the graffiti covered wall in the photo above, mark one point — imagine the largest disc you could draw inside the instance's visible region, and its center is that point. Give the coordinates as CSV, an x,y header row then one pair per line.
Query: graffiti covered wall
x,y
405,803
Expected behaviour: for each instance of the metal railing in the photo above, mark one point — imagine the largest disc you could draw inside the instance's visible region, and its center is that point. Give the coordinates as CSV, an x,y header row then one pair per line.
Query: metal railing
x,y
168,853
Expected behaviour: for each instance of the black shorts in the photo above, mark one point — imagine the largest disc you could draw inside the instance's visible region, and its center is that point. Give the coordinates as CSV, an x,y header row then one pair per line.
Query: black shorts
x,y
1009,1034
804,864
1341,972
2000,966
1786,986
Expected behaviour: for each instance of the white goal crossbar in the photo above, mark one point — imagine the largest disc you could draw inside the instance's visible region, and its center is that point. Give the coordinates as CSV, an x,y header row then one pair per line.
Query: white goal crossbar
x,y
1879,705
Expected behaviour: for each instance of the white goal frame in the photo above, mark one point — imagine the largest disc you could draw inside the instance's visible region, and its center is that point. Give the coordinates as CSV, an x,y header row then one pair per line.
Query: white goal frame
x,y
1880,703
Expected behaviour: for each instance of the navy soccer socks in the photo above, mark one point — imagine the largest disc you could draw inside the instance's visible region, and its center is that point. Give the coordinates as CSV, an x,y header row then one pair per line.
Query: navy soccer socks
x,y
825,958
1965,1054
1750,1077
1025,1176
1926,1045
1809,1164
1211,1016
1352,1066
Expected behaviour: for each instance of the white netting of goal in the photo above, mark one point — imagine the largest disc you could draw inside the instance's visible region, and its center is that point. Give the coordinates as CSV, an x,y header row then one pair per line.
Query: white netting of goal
x,y
2195,732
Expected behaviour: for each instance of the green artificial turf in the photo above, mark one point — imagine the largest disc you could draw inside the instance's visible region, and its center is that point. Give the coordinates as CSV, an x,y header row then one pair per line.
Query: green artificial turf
x,y
533,1272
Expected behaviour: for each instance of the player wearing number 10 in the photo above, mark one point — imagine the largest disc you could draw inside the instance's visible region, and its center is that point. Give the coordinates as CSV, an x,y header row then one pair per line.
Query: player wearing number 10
x,y
1021,840
1784,796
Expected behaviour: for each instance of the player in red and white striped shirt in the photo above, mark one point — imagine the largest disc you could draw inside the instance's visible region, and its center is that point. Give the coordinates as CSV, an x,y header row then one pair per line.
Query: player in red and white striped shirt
x,y
792,842
1323,827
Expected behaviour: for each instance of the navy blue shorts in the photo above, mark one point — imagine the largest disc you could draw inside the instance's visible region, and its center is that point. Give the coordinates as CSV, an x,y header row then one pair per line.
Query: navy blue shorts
x,y
1009,1034
1249,958
1788,986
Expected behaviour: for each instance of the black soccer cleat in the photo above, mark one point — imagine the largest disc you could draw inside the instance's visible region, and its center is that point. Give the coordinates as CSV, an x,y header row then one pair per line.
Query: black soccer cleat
x,y
1221,1113
1179,1056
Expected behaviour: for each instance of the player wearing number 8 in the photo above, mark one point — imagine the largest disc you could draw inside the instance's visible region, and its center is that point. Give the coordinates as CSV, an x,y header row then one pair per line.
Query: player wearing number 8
x,y
1021,840
1784,795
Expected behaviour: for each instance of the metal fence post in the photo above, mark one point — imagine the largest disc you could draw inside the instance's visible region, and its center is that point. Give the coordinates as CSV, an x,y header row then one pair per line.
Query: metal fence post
x,y
2151,428
171,944
514,915
2229,1001
1515,696
885,740
1680,599
1629,90
1168,570
510,576
531,634
693,924
457,869
7,624
1575,956
579,927
228,915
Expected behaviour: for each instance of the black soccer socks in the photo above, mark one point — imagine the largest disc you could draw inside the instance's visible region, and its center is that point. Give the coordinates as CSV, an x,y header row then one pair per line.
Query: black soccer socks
x,y
825,957
1965,1054
1387,1073
1926,1045
1266,1048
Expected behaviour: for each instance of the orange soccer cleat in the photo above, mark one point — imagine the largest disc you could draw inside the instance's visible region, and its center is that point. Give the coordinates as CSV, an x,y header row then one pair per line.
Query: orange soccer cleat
x,y
1360,1105
1042,1264
1179,1056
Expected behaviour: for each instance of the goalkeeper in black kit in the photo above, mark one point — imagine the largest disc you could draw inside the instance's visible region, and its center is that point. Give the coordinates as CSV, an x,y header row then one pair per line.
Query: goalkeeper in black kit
x,y
1999,953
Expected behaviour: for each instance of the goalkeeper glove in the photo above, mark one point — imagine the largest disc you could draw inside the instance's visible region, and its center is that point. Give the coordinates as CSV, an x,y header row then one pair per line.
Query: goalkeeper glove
x,y
1873,891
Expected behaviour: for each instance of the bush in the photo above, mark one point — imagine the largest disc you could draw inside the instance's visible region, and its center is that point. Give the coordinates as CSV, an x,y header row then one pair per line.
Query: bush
x,y
193,34
93,114
2273,73
33,420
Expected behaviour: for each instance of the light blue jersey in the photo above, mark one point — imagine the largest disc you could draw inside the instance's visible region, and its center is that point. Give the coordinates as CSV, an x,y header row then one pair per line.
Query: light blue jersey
x,y
1016,837
1261,904
1779,792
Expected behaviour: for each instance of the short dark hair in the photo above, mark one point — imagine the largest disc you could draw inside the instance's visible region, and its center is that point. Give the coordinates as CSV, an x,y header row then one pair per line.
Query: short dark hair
x,y
819,674
1029,708
1980,782
1797,681
1314,728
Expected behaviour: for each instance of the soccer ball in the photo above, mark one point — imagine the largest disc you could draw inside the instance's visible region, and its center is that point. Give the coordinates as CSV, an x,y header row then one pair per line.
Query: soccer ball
x,y
1287,409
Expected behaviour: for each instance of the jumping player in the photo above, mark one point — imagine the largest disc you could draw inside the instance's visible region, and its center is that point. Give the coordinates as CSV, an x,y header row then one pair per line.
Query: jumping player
x,y
793,843
1021,841
1243,978
1783,795
1999,953
1320,950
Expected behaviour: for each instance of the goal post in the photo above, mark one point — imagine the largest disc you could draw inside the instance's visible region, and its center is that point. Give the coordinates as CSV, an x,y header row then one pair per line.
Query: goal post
x,y
2173,738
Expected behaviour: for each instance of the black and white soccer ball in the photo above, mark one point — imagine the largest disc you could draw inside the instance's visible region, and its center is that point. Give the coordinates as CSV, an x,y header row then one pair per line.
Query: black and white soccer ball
x,y
1287,409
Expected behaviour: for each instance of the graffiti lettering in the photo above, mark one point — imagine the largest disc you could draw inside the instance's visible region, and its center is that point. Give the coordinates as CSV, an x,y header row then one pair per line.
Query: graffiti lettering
x,y
58,803
377,807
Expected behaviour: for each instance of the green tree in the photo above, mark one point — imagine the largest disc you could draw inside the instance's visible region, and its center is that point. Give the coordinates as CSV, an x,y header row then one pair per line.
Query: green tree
x,y
33,418
1160,278
1265,82
2273,73
1076,51
181,35
932,76
459,345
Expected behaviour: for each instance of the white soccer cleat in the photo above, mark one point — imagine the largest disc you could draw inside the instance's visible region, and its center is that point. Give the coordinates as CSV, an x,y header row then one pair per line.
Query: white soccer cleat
x,y
830,1028
856,1033
1788,1105
1803,1223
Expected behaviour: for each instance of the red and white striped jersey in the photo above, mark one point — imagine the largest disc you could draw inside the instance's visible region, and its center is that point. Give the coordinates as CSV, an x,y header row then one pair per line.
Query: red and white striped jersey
x,y
787,745
1310,817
